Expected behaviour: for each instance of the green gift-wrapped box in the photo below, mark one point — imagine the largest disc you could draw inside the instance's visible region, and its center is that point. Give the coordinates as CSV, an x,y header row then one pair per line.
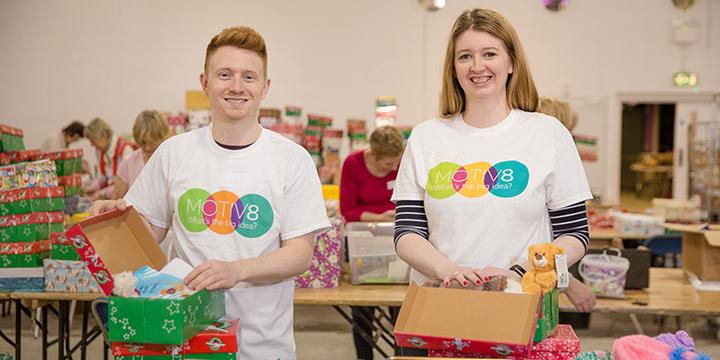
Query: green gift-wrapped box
x,y
61,248
548,321
67,162
23,254
23,201
163,321
215,356
11,139
30,227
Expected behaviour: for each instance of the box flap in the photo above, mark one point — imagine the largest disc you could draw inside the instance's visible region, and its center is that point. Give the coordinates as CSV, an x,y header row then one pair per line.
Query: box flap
x,y
713,237
123,241
466,314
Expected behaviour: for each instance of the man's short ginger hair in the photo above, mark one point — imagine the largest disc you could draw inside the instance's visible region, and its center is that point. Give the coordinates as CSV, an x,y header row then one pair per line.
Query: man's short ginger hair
x,y
241,37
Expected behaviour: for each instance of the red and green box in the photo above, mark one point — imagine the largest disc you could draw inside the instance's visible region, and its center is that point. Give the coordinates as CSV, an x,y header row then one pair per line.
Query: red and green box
x,y
216,356
67,162
24,155
72,184
30,227
218,338
61,248
23,201
550,314
23,254
11,139
163,321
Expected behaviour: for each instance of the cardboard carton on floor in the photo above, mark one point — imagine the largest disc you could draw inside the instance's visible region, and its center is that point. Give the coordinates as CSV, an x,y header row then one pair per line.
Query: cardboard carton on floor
x,y
119,241
700,250
480,322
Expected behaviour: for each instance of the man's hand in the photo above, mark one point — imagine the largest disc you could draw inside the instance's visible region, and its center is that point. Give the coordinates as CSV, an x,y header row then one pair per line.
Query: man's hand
x,y
103,206
580,296
214,274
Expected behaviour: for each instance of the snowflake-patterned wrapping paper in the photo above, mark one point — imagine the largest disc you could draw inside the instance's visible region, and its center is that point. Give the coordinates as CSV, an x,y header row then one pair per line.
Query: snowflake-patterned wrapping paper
x,y
163,321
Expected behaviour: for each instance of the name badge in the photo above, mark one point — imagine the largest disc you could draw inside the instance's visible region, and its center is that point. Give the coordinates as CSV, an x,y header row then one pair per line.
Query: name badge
x,y
391,184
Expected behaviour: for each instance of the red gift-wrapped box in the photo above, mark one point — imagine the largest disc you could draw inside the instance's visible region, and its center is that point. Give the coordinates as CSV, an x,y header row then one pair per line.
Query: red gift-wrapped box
x,y
564,344
220,337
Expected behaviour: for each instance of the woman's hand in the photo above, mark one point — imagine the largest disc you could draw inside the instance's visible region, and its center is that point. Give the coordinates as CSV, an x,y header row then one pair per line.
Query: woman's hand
x,y
460,276
580,296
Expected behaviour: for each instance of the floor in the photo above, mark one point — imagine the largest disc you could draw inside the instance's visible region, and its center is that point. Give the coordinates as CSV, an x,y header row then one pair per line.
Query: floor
x,y
322,334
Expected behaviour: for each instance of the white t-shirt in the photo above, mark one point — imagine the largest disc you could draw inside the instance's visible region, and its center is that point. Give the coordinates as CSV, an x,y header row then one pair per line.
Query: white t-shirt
x,y
236,204
487,191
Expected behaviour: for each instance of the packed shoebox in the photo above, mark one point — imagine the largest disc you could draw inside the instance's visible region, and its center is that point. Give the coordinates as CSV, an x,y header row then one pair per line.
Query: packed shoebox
x,y
151,313
31,211
524,315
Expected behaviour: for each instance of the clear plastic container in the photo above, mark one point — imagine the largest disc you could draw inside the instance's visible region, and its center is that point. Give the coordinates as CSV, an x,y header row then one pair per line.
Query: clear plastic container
x,y
372,256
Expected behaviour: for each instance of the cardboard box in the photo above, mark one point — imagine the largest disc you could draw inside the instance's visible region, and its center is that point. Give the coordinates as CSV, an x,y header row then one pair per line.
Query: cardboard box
x,y
700,250
67,162
22,279
459,320
30,227
23,201
119,241
216,356
23,254
68,276
549,315
11,139
61,248
563,345
220,337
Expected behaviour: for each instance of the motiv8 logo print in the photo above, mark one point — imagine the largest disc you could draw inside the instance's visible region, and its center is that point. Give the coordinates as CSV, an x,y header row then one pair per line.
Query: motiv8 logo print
x,y
223,213
504,179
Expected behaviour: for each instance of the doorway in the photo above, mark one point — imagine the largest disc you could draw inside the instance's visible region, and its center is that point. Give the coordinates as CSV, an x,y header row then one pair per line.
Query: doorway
x,y
647,145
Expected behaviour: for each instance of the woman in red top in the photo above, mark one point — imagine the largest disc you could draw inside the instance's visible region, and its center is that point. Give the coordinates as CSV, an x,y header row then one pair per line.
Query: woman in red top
x,y
366,185
368,178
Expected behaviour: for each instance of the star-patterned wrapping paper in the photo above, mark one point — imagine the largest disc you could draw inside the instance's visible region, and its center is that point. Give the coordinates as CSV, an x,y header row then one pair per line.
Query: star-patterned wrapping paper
x,y
23,254
550,316
326,266
564,344
11,139
69,276
23,201
30,227
220,337
216,356
163,321
67,162
61,248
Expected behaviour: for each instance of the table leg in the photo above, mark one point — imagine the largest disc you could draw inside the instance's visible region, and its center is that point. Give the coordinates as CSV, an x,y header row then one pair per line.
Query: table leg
x,y
360,331
18,327
61,329
83,335
44,329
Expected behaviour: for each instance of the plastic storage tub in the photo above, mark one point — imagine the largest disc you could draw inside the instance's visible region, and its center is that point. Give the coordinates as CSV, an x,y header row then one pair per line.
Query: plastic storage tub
x,y
372,256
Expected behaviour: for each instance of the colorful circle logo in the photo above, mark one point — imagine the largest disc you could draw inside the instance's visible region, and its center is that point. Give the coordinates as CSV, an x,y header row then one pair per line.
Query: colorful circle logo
x,y
504,179
223,213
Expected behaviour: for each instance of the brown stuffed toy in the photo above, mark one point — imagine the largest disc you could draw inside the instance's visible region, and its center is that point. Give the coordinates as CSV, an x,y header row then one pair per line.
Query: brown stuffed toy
x,y
542,276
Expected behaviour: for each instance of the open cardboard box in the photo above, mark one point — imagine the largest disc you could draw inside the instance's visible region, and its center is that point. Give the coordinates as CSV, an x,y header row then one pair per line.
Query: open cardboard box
x,y
700,250
479,322
119,241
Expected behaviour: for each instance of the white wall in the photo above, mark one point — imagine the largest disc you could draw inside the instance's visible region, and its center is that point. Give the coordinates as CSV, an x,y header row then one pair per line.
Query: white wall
x,y
77,59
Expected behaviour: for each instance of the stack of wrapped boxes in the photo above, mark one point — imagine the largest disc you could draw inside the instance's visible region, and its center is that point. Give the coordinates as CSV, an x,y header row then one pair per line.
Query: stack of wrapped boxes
x,y
31,209
68,165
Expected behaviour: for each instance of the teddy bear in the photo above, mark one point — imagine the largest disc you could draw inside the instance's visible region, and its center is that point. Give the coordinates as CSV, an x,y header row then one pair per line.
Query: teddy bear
x,y
542,276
